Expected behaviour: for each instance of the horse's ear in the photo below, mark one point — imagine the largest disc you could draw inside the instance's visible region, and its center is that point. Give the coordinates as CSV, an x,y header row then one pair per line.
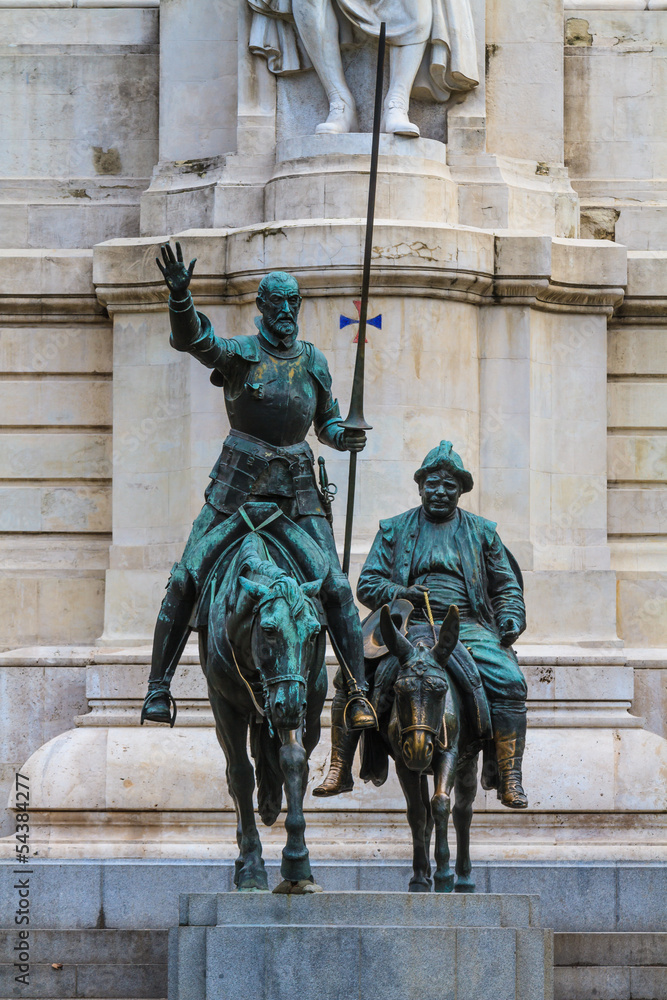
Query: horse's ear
x,y
394,640
313,588
449,636
255,590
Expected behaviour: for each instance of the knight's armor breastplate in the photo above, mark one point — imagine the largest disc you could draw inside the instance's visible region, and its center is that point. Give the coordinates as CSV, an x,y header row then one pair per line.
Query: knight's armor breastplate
x,y
271,409
277,402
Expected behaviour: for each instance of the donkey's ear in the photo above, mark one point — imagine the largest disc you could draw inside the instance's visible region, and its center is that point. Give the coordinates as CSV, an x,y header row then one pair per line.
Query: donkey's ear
x,y
449,636
394,640
313,588
256,590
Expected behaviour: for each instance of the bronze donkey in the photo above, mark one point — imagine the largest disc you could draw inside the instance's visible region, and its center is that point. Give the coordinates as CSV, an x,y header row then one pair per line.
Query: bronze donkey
x,y
426,733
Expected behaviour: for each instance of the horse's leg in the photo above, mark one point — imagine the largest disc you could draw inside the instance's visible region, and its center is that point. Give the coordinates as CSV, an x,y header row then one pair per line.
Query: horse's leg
x,y
411,785
443,772
295,866
465,791
232,732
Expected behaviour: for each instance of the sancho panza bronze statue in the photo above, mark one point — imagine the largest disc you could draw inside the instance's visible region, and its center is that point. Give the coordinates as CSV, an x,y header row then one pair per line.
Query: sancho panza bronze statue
x,y
276,386
457,558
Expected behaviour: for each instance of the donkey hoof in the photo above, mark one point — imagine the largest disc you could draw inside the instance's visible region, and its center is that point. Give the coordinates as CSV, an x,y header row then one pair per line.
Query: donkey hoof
x,y
419,885
444,883
464,883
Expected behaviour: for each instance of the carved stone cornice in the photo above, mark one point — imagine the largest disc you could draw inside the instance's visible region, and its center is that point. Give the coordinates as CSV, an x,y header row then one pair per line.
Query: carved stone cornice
x,y
645,301
419,260
48,285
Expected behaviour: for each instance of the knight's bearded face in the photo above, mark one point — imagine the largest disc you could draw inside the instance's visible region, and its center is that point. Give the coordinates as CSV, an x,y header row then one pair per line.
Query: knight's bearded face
x,y
440,493
279,305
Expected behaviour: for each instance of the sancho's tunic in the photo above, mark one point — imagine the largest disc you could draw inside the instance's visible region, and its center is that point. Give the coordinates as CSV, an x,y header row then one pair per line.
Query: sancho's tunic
x,y
462,562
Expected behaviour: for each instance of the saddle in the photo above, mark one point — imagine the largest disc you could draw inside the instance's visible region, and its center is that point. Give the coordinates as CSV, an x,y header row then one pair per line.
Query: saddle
x,y
288,545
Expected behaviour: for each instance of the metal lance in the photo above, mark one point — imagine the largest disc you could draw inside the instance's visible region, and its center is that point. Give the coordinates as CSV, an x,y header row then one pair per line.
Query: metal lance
x,y
355,419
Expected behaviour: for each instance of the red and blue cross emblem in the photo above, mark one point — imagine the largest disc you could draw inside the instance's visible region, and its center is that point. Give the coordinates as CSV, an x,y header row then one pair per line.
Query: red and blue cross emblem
x,y
375,321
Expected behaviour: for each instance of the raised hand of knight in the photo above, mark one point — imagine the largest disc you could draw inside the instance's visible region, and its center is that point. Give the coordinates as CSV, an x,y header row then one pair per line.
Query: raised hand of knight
x,y
176,275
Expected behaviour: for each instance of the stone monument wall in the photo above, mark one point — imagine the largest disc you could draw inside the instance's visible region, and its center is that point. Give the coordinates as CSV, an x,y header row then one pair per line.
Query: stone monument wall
x,y
539,354
79,86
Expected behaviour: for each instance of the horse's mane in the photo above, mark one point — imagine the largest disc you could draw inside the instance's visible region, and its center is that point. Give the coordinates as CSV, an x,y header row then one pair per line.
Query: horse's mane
x,y
252,557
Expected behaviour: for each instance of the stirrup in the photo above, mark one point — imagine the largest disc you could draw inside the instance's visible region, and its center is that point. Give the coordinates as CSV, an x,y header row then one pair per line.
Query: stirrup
x,y
160,689
357,695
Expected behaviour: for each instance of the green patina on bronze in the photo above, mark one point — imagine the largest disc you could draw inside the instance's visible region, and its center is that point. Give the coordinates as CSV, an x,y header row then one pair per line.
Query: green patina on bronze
x,y
423,566
276,387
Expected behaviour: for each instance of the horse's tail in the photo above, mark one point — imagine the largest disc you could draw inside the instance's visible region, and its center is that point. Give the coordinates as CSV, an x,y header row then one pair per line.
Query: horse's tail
x,y
268,771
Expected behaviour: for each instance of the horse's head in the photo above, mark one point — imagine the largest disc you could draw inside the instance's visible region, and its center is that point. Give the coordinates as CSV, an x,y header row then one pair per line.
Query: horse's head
x,y
420,688
285,633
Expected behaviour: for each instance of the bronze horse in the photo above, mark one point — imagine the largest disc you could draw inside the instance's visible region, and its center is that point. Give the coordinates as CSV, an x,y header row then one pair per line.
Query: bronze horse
x,y
262,652
426,733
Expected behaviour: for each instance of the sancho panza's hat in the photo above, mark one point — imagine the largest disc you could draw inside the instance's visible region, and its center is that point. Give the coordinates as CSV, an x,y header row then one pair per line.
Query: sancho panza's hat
x,y
444,457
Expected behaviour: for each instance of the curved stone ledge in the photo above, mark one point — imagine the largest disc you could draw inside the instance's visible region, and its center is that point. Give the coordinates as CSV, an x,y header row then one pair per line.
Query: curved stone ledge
x,y
419,259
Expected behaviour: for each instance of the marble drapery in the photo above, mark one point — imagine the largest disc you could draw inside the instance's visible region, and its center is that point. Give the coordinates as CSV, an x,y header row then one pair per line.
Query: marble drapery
x,y
450,59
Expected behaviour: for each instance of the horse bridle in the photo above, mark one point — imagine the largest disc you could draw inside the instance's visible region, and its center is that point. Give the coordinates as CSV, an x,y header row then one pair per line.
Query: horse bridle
x,y
435,733
426,729
267,683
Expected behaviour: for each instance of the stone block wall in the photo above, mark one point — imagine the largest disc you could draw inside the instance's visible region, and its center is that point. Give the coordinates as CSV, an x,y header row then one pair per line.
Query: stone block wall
x,y
615,131
637,466
55,452
78,119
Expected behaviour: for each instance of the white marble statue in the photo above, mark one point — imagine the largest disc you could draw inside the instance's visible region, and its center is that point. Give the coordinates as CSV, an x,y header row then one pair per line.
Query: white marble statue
x,y
432,50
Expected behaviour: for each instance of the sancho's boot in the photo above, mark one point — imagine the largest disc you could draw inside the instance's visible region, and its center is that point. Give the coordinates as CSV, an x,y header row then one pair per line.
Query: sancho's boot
x,y
347,641
509,724
171,634
343,745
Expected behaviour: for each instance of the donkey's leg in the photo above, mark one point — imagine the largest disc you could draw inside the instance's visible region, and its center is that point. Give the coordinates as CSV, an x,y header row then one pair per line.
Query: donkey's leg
x,y
465,791
443,772
428,831
295,866
232,732
411,785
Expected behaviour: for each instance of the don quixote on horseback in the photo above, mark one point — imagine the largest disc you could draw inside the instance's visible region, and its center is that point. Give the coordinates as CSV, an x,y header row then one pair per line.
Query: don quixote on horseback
x,y
260,577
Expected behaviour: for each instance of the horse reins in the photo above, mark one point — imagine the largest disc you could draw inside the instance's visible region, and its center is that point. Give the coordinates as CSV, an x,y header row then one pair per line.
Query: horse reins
x,y
429,729
260,711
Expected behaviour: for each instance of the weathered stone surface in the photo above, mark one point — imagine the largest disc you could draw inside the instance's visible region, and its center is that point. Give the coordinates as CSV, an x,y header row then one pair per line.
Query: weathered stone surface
x,y
335,945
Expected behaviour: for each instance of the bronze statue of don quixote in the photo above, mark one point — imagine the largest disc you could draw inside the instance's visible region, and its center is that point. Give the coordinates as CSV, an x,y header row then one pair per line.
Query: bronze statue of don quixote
x,y
430,680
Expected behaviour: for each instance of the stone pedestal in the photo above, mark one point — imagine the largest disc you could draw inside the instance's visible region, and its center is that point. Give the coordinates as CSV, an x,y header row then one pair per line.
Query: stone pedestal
x,y
112,789
336,945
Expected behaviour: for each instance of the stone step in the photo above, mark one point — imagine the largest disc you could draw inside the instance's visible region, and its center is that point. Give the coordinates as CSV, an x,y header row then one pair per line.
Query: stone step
x,y
621,948
610,982
373,945
621,966
575,896
360,909
108,964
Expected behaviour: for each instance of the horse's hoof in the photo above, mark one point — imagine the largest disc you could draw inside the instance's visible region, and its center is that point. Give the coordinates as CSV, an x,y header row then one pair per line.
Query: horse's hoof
x,y
252,881
444,883
301,888
464,884
419,885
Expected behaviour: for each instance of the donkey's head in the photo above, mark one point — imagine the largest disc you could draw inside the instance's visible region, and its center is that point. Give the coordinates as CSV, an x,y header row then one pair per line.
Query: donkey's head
x,y
284,642
420,688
